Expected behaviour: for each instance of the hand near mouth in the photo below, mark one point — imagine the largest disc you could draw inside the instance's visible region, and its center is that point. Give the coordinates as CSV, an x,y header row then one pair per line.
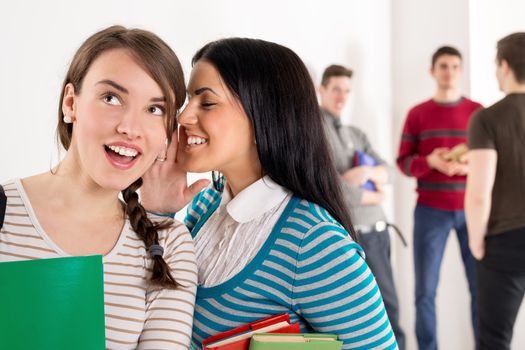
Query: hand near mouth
x,y
165,186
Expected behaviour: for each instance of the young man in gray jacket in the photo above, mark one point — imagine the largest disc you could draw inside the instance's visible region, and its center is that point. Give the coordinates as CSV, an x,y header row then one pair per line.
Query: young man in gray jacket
x,y
363,175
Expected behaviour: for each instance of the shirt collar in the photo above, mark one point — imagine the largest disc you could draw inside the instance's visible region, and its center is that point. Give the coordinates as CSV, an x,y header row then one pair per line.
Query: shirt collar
x,y
255,200
331,118
451,103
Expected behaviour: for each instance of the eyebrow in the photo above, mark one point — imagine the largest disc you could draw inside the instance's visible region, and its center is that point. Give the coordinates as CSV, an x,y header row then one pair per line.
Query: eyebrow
x,y
115,85
124,90
203,89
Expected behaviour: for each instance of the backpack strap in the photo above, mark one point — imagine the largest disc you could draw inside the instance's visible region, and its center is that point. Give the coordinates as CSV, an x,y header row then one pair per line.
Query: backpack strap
x,y
3,204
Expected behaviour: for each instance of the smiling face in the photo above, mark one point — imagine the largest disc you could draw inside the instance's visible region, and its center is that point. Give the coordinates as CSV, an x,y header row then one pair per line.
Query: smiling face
x,y
335,94
215,133
118,121
447,71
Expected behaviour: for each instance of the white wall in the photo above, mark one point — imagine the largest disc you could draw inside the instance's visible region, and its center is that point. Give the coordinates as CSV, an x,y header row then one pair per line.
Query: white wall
x,y
489,22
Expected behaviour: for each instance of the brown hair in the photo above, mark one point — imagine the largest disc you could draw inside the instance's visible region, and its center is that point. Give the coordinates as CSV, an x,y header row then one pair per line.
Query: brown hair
x,y
512,49
159,60
335,71
445,50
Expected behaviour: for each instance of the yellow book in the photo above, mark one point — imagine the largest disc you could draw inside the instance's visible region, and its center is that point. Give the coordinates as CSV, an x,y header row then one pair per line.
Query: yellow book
x,y
457,153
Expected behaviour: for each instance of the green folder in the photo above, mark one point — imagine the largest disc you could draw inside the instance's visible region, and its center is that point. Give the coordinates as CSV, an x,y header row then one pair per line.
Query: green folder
x,y
275,341
52,304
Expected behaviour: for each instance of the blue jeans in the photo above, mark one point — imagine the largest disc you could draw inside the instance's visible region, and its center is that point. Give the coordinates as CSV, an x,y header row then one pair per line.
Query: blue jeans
x,y
431,230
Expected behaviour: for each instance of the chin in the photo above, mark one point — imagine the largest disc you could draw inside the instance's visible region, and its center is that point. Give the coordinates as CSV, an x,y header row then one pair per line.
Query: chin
x,y
196,167
448,85
116,183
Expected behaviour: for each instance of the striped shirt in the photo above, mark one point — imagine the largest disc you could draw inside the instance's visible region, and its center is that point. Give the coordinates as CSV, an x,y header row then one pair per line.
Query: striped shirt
x,y
308,267
138,315
430,125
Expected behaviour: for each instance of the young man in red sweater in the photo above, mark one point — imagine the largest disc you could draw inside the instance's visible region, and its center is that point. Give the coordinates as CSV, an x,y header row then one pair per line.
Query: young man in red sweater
x,y
431,130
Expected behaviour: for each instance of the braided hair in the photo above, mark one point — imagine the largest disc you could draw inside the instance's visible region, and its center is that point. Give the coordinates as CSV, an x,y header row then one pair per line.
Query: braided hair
x,y
159,60
148,232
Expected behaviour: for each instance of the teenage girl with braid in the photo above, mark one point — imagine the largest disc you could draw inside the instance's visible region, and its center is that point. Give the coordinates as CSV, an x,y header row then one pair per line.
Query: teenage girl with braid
x,y
117,109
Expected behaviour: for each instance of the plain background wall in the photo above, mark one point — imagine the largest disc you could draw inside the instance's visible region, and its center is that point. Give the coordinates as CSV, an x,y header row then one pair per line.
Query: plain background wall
x,y
387,43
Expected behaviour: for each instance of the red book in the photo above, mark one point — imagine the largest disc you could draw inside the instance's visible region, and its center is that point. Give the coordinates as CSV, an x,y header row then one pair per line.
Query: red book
x,y
239,338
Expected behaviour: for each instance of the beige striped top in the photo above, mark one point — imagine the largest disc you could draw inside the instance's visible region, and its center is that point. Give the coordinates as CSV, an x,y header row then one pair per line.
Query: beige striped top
x,y
138,315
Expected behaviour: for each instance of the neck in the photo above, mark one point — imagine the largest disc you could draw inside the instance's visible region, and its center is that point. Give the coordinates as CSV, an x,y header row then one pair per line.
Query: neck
x,y
514,87
241,177
446,95
336,115
79,193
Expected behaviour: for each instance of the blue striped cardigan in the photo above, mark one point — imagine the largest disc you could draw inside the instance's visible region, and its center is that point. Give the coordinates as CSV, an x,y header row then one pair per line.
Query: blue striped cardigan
x,y
309,267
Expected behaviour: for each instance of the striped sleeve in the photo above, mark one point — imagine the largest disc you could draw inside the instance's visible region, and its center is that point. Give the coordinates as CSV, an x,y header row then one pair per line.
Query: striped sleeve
x,y
169,312
408,160
200,205
335,291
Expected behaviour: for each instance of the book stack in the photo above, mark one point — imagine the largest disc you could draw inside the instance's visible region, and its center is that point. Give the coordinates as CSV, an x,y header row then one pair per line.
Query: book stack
x,y
271,333
239,338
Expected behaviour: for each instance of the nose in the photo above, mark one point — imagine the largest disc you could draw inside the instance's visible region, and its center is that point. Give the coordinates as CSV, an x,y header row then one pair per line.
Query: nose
x,y
129,124
187,116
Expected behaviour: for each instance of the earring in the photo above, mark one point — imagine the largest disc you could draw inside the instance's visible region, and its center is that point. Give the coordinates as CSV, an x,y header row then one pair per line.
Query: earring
x,y
67,119
217,180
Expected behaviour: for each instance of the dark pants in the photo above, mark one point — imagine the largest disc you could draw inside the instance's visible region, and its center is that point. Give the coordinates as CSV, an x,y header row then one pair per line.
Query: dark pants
x,y
501,286
377,248
431,230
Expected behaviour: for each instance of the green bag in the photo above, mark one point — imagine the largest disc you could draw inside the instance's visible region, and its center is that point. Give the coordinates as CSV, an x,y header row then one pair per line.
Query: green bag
x,y
52,304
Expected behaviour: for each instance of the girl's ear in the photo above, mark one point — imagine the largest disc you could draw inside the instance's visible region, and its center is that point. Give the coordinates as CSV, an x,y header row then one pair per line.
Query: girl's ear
x,y
69,102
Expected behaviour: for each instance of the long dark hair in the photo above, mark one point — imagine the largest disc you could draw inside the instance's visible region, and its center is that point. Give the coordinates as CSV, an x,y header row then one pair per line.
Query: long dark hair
x,y
159,60
278,95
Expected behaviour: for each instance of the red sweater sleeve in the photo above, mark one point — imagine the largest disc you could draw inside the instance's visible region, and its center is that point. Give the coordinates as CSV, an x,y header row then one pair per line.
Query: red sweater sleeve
x,y
408,160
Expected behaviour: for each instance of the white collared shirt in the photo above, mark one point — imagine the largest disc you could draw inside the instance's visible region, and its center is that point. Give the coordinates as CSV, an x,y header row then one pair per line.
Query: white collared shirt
x,y
237,230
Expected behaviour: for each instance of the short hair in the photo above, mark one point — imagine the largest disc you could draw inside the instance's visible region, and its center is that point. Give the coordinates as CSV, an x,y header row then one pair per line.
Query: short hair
x,y
335,70
512,49
445,50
